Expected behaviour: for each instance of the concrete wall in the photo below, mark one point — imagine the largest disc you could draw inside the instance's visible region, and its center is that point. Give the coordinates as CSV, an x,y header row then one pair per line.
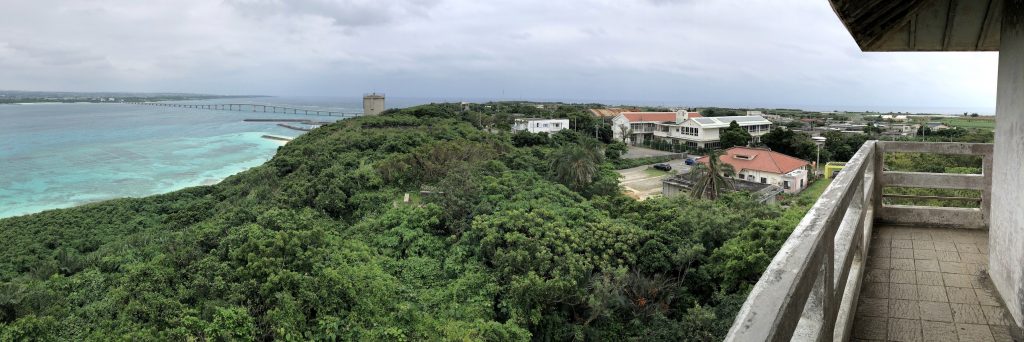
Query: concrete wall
x,y
619,122
773,178
1006,233
709,134
795,178
776,179
672,190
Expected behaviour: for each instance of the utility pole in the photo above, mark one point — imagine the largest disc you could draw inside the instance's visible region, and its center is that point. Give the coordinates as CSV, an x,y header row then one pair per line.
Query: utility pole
x,y
817,164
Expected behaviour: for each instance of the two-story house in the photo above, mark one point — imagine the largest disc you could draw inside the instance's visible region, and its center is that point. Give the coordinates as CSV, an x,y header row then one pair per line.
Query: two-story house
x,y
540,125
684,128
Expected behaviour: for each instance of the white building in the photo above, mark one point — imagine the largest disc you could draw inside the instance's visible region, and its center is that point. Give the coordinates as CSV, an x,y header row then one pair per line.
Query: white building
x,y
540,125
893,118
685,128
902,129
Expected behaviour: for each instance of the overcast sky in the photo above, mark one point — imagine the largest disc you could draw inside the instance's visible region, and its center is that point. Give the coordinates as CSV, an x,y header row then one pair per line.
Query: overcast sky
x,y
691,52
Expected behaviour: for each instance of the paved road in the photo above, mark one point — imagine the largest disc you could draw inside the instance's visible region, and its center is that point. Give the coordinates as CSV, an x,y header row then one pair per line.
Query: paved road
x,y
636,152
639,185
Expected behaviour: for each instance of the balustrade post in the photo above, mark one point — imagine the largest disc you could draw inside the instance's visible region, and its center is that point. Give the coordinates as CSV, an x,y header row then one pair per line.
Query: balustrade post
x,y
986,193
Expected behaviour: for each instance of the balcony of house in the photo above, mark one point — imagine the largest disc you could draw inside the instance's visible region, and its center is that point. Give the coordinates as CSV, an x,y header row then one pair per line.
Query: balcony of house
x,y
861,267
644,127
665,132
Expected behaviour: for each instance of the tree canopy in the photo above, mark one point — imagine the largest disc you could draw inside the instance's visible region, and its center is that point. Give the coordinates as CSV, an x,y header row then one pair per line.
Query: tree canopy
x,y
508,237
734,135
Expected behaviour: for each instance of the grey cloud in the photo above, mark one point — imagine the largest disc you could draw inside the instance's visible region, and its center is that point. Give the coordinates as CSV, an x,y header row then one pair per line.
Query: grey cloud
x,y
689,52
672,2
54,56
346,13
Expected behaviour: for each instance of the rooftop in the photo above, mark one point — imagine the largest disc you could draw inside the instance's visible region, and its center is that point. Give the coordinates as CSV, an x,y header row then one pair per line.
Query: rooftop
x,y
922,25
650,116
607,112
758,159
724,121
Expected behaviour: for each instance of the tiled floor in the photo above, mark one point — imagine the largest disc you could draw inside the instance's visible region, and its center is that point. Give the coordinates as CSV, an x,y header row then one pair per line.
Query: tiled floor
x,y
925,284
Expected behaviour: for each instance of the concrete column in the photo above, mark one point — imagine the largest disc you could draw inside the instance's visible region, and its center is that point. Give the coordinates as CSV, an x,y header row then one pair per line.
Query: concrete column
x,y
1006,233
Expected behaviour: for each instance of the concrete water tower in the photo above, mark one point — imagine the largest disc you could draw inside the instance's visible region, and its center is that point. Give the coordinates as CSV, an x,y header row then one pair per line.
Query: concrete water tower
x,y
373,104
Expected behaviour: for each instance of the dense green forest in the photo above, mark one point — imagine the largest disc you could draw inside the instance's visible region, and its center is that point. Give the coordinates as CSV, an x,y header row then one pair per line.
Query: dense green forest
x,y
505,243
841,147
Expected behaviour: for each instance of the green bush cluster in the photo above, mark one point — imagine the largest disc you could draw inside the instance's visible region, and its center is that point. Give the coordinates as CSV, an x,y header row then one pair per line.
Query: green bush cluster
x,y
317,244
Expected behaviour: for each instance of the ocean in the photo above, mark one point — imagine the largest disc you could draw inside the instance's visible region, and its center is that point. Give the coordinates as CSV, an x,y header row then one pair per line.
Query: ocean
x,y
56,155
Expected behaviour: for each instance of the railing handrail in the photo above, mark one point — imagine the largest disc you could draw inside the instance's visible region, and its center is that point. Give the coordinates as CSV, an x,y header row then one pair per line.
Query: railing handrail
x,y
775,306
802,293
976,218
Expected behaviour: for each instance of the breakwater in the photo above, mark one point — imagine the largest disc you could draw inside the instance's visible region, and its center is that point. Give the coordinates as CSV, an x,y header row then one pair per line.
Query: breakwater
x,y
274,137
275,120
294,127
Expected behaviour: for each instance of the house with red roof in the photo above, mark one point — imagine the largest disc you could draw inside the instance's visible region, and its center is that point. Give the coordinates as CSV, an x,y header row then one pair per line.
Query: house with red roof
x,y
762,165
635,128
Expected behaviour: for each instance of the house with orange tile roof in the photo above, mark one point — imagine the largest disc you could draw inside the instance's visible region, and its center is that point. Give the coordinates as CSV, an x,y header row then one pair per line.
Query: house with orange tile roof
x,y
635,128
765,166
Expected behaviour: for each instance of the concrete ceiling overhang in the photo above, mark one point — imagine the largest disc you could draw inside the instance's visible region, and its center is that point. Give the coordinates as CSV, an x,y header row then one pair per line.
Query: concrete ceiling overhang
x,y
922,25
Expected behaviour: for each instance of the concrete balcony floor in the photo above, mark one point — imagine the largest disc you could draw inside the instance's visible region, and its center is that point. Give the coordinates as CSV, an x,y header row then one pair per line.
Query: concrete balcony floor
x,y
929,284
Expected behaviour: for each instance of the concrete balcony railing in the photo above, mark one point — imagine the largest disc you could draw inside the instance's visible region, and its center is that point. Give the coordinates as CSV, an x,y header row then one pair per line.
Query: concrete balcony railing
x,y
810,290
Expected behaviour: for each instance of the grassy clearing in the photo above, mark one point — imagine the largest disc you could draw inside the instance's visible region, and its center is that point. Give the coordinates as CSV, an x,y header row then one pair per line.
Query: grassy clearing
x,y
985,123
652,172
809,195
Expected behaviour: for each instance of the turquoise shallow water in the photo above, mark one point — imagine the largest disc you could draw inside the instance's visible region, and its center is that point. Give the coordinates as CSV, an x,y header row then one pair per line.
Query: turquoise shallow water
x,y
61,155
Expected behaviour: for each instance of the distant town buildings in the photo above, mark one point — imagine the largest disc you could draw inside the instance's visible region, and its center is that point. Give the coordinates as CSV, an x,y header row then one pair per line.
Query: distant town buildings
x,y
847,128
534,125
893,117
937,126
767,167
373,104
682,127
771,117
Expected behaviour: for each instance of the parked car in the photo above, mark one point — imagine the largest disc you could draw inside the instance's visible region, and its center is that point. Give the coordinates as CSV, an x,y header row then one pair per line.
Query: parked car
x,y
689,161
663,167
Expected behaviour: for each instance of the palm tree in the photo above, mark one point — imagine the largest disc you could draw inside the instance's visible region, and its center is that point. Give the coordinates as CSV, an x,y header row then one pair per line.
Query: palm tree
x,y
712,179
576,165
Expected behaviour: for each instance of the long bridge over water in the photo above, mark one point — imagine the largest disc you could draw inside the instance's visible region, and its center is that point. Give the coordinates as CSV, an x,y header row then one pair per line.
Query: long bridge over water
x,y
252,107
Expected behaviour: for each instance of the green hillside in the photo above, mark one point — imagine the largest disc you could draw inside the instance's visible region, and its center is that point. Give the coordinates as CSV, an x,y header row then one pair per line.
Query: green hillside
x,y
316,245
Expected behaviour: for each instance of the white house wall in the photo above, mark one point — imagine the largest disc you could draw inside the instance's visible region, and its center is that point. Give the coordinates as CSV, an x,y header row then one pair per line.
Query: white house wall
x,y
775,179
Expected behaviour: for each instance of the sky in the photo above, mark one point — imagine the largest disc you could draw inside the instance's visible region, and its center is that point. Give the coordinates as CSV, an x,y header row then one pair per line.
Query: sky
x,y
770,53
